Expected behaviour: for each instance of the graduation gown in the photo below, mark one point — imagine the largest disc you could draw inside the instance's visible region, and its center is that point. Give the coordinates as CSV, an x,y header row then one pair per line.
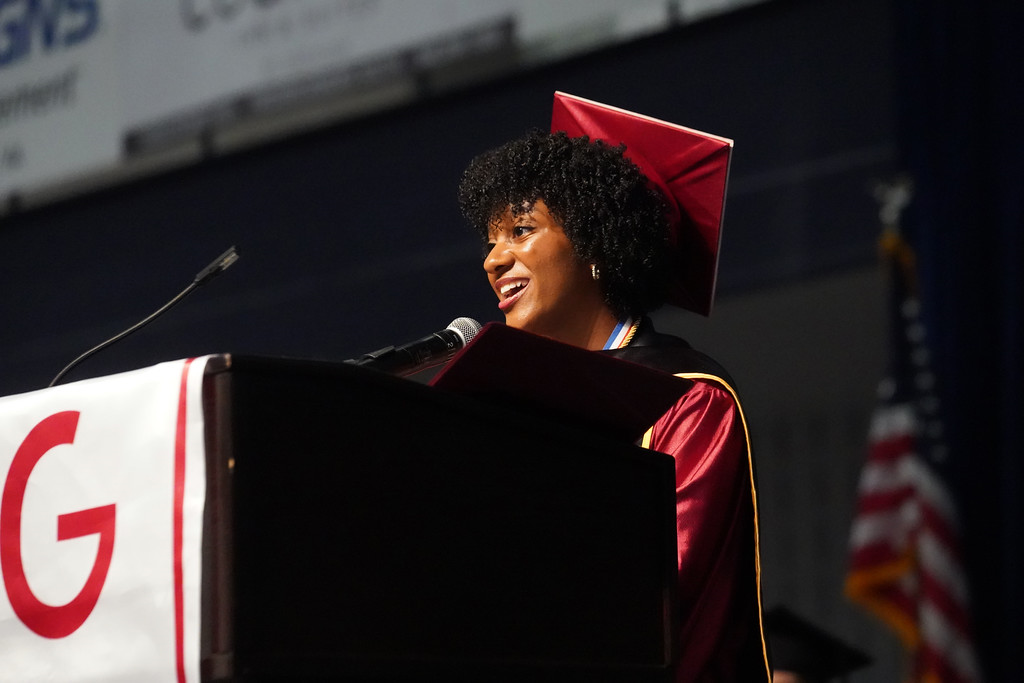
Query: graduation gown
x,y
719,595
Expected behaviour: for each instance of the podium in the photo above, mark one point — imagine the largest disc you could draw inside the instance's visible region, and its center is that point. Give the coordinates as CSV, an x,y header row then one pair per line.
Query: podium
x,y
363,527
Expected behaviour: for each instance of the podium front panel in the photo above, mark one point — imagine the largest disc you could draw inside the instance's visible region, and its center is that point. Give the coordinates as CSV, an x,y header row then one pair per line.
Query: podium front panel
x,y
370,528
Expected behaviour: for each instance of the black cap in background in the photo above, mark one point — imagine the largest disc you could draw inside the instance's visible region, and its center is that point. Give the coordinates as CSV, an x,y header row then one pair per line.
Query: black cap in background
x,y
800,647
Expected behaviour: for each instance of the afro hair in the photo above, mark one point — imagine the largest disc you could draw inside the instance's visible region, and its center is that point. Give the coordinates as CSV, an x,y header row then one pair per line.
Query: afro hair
x,y
609,211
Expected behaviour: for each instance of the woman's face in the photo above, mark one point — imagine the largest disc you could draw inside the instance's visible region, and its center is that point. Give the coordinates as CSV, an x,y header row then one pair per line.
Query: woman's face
x,y
540,284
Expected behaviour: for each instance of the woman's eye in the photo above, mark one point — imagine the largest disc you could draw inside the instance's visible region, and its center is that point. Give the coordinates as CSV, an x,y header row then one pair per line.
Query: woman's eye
x,y
520,230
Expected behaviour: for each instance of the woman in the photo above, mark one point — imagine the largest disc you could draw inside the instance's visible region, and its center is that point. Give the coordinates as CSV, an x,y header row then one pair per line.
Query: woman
x,y
580,245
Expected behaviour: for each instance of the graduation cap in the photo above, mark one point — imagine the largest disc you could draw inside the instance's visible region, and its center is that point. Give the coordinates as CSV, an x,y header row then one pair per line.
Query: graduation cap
x,y
690,168
800,647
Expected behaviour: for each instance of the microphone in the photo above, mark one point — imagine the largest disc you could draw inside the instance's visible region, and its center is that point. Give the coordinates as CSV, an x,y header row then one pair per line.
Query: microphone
x,y
423,353
219,265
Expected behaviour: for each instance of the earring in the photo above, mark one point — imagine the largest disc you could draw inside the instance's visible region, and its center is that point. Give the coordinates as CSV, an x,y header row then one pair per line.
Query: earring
x,y
595,272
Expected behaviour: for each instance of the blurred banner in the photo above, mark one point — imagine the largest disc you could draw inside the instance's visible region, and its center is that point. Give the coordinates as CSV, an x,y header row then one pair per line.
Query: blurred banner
x,y
88,84
185,56
58,91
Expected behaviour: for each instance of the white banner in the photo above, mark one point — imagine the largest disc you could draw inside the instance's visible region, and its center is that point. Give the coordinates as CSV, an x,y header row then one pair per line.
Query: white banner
x,y
183,54
100,528
59,112
81,81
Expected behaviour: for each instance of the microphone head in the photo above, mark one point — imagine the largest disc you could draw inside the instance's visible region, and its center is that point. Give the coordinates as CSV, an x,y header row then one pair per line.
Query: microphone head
x,y
465,328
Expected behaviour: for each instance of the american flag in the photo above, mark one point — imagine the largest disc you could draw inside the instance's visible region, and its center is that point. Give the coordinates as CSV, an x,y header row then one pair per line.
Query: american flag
x,y
905,564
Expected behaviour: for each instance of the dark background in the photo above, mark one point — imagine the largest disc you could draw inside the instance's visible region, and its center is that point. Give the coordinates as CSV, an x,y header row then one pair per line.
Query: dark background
x,y
350,239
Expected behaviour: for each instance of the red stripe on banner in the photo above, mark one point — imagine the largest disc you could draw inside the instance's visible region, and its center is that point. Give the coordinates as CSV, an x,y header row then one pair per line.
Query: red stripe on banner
x,y
179,523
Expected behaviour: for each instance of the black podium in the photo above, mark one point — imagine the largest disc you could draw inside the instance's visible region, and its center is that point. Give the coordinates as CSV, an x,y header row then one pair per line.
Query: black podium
x,y
362,527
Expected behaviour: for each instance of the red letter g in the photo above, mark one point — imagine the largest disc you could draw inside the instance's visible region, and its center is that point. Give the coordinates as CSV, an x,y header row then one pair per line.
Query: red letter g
x,y
47,620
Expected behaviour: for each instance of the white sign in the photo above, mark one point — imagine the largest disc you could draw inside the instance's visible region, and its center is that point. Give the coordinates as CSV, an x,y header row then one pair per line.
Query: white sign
x,y
182,54
83,80
59,111
103,485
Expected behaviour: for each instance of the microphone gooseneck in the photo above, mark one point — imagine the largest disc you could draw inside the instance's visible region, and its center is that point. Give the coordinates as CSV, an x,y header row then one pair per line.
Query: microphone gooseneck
x,y
218,266
424,353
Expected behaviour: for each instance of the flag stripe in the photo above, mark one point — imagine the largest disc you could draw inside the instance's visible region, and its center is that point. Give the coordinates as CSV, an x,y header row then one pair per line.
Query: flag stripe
x,y
948,644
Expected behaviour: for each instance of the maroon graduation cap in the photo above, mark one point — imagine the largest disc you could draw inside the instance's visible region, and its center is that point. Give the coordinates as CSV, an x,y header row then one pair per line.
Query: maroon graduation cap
x,y
691,170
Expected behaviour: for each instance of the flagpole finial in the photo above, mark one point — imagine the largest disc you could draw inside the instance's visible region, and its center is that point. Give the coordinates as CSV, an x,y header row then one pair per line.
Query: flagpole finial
x,y
893,197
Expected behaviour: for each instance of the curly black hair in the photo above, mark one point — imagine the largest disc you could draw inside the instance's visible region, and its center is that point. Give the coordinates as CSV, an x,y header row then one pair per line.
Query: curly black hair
x,y
609,211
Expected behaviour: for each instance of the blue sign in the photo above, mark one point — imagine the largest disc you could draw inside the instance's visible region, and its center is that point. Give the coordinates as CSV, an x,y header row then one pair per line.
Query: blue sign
x,y
47,25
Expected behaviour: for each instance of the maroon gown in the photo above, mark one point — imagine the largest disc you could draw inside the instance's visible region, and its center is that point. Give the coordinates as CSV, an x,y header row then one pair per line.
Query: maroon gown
x,y
720,630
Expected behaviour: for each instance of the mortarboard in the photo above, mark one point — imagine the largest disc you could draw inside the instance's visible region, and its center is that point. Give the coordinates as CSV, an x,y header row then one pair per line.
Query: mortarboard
x,y
800,647
690,168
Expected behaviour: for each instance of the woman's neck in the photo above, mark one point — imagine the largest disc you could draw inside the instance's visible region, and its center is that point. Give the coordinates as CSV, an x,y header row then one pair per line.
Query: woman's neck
x,y
589,332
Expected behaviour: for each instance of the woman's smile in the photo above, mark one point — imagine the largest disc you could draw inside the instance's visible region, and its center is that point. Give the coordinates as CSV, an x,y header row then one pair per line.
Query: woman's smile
x,y
510,289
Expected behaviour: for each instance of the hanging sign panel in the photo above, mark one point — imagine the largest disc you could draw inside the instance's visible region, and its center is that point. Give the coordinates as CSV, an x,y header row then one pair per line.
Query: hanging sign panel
x,y
91,83
59,110
103,489
185,54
